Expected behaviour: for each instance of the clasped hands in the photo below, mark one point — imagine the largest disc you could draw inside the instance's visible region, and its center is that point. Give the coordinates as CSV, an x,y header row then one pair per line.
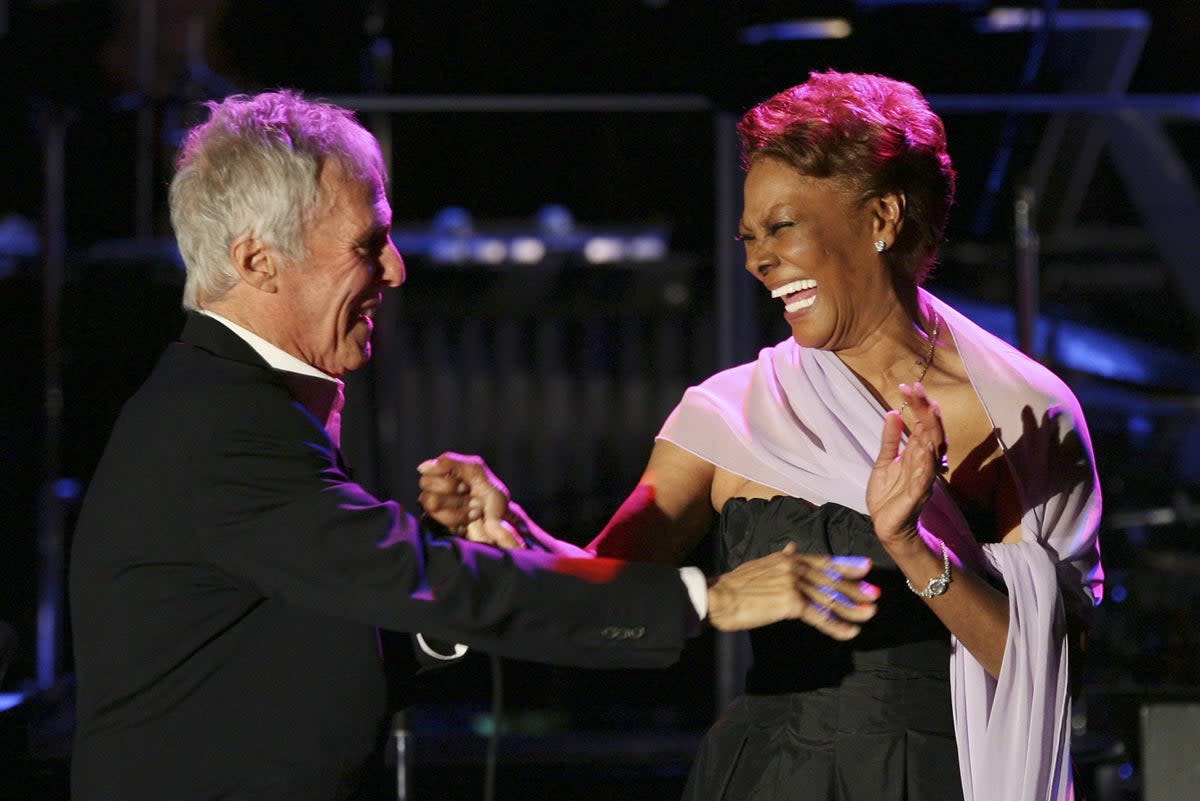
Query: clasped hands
x,y
826,592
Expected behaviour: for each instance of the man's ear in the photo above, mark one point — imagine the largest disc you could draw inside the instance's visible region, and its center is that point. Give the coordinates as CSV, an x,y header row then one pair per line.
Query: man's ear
x,y
256,262
887,216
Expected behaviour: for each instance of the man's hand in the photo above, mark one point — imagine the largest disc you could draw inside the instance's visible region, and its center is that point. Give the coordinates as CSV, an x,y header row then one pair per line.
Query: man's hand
x,y
826,592
464,495
457,489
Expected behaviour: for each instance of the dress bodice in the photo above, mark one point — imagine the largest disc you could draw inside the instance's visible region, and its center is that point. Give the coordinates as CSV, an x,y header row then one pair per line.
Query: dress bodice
x,y
792,656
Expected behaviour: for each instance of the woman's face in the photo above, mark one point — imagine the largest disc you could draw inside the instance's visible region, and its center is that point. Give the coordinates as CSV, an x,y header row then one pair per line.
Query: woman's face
x,y
810,241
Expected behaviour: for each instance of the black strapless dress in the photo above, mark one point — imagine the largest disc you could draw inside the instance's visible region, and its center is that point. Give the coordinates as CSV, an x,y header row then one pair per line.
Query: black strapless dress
x,y
822,720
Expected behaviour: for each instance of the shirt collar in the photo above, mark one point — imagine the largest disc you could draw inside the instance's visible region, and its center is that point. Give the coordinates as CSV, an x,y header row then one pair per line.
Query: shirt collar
x,y
273,355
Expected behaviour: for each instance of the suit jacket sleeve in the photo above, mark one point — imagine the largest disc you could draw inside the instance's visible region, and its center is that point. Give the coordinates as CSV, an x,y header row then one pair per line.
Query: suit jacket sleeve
x,y
272,508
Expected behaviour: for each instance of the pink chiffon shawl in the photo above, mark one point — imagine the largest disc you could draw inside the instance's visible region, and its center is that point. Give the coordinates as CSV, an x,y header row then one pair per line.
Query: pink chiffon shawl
x,y
799,421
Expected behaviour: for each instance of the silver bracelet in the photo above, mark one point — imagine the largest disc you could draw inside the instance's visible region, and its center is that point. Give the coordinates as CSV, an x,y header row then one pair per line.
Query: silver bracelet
x,y
939,585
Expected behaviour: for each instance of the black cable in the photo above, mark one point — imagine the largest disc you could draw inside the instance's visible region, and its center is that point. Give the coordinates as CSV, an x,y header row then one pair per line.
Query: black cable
x,y
493,746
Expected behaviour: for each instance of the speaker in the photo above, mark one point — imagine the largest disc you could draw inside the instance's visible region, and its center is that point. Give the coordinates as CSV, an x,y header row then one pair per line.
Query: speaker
x,y
1170,751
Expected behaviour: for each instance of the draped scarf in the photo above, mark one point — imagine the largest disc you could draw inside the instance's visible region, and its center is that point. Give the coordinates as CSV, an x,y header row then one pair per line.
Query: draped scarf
x,y
798,420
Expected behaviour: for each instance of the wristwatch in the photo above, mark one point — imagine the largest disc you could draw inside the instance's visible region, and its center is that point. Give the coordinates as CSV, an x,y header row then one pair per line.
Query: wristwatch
x,y
937,586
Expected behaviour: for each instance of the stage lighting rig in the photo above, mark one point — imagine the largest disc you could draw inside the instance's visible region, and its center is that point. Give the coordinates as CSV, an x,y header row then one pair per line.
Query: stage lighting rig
x,y
549,239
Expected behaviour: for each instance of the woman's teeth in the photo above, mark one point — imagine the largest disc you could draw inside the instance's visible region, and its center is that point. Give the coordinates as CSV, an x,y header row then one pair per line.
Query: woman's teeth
x,y
793,288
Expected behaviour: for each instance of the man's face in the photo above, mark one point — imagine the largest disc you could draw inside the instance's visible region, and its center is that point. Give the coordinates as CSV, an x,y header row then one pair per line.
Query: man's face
x,y
330,297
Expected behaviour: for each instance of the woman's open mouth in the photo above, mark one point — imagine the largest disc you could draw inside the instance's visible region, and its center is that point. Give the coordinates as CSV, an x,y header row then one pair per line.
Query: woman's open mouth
x,y
796,295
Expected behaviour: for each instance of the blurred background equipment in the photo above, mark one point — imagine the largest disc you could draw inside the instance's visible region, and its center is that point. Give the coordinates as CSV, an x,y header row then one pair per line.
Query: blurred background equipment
x,y
565,189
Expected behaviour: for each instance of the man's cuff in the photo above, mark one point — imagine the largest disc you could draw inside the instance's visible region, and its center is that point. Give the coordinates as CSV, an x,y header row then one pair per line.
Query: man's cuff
x,y
459,648
697,589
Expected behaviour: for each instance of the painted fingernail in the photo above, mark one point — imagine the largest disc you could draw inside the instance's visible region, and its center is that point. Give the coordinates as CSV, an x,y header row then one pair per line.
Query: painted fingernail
x,y
853,562
869,590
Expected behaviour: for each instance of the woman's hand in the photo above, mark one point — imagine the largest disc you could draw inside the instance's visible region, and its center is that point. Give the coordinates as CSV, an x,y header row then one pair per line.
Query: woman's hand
x,y
826,592
500,533
902,480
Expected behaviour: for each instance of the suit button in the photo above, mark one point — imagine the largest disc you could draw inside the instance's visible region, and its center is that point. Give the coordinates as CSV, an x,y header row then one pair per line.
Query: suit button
x,y
623,633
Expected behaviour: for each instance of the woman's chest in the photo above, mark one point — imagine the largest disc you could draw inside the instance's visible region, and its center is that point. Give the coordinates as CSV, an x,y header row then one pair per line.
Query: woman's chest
x,y
979,479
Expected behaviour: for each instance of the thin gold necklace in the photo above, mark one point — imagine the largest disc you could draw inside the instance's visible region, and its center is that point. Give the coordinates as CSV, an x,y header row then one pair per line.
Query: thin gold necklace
x,y
928,360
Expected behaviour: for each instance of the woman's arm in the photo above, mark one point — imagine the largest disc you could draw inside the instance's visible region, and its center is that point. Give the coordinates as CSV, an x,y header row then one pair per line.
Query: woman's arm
x,y
667,514
975,612
662,520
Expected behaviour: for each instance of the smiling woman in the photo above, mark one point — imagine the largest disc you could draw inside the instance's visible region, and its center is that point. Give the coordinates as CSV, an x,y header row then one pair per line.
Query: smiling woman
x,y
847,191
797,228
888,426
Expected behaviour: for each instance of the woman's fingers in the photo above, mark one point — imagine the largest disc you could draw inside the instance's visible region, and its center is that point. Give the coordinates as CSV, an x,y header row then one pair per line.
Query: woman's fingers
x,y
827,593
889,444
835,587
494,532
838,599
928,414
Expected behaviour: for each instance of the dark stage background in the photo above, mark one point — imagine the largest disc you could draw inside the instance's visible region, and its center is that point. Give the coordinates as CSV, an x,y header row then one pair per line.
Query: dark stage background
x,y
568,123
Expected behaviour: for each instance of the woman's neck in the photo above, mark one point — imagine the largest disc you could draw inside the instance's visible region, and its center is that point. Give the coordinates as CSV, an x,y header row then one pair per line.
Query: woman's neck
x,y
897,346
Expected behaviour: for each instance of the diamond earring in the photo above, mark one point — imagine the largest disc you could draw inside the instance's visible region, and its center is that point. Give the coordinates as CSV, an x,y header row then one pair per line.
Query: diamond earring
x,y
880,246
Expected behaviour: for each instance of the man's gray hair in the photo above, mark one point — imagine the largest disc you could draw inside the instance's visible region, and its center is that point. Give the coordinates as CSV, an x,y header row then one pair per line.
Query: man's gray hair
x,y
254,167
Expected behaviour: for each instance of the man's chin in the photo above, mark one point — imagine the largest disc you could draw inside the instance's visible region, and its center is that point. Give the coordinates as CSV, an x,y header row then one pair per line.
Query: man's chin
x,y
358,359
346,362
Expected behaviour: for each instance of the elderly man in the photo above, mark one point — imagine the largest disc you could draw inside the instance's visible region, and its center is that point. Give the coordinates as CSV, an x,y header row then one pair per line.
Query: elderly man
x,y
227,576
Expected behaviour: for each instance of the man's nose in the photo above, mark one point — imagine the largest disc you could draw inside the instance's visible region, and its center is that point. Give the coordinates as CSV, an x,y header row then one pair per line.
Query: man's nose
x,y
393,265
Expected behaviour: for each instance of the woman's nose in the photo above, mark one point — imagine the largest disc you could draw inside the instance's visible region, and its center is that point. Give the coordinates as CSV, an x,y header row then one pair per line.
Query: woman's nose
x,y
759,259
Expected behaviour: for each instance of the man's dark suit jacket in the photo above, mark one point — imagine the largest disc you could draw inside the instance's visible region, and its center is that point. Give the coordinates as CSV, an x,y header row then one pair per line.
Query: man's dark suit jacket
x,y
227,578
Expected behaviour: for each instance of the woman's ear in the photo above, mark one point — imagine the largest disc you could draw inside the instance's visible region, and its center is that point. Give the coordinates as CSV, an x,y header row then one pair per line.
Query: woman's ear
x,y
255,262
887,217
